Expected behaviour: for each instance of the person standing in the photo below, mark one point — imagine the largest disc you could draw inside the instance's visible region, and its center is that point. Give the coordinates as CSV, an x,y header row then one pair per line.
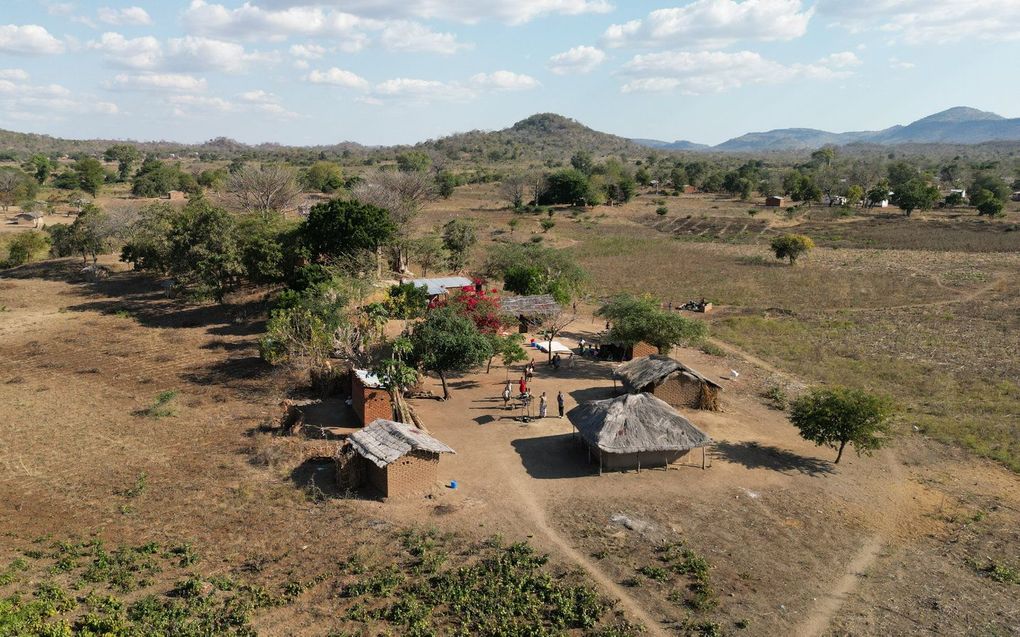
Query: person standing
x,y
543,406
561,403
506,396
523,386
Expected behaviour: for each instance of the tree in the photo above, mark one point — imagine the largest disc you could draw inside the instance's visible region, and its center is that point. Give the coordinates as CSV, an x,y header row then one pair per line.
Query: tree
x,y
313,324
635,319
26,247
446,342
791,246
899,174
125,155
324,176
990,206
40,167
147,243
569,186
512,189
532,269
407,301
263,190
343,227
954,199
15,186
446,183
89,234
403,194
840,416
413,162
204,252
878,193
458,238
90,175
916,194
582,162
156,178
992,184
854,195
429,252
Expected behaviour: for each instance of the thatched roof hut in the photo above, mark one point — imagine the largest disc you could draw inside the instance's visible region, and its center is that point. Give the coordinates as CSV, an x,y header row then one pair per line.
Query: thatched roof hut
x,y
399,459
670,380
530,310
634,430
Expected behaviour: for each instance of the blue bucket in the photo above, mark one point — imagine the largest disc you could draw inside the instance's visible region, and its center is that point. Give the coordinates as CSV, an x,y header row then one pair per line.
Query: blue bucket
x,y
453,484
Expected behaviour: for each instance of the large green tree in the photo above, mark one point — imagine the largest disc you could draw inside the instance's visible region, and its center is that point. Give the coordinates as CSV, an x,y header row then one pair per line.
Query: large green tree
x,y
91,175
533,269
459,237
570,186
916,194
634,319
343,227
324,176
446,342
125,155
204,252
839,416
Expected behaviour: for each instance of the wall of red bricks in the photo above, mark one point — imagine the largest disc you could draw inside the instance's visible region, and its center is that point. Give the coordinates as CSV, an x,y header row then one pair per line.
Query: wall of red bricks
x,y
370,403
642,349
413,474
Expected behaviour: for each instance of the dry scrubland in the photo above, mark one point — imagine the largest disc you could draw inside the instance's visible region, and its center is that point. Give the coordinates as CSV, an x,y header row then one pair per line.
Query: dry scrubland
x,y
244,529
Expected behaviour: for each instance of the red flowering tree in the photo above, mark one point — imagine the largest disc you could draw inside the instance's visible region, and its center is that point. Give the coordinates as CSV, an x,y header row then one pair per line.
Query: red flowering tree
x,y
484,309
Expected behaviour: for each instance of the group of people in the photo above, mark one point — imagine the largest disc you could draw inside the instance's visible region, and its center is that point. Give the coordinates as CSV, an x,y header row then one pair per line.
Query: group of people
x,y
525,395
586,348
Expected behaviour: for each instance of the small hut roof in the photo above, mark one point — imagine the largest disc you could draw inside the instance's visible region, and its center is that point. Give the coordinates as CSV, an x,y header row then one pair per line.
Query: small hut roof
x,y
440,285
653,369
385,441
537,306
635,423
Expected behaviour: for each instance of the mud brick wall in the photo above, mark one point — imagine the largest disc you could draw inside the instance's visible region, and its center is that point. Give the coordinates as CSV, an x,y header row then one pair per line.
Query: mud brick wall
x,y
679,391
370,403
413,474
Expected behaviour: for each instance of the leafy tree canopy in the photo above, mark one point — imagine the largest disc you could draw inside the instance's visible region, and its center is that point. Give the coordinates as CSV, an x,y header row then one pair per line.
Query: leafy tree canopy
x,y
839,416
641,318
446,342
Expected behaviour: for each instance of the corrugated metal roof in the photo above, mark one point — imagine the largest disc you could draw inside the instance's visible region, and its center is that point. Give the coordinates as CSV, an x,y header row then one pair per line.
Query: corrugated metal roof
x,y
441,285
368,379
384,441
635,423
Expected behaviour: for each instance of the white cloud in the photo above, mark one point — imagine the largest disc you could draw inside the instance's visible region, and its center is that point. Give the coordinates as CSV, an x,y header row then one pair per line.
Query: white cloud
x,y
503,81
60,9
28,39
900,65
172,82
416,90
843,60
412,36
258,97
338,77
179,54
13,74
308,51
349,32
508,11
700,72
202,102
129,16
580,59
713,23
928,22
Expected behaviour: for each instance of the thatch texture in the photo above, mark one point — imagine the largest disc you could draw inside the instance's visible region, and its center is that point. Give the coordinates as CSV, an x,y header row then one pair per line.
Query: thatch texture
x,y
639,373
635,423
530,307
384,441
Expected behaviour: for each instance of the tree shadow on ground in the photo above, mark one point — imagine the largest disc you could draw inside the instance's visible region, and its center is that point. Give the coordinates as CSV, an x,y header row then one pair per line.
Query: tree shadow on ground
x,y
554,457
755,456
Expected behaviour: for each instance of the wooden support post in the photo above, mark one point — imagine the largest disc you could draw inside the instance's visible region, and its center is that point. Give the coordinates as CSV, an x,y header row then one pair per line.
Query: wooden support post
x,y
639,462
703,454
600,462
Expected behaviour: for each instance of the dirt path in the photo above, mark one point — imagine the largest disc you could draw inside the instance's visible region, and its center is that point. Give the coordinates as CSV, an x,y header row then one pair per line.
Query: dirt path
x,y
968,297
530,507
751,358
829,604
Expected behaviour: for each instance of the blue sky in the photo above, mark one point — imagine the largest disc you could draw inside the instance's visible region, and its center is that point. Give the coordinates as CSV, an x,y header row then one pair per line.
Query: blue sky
x,y
400,71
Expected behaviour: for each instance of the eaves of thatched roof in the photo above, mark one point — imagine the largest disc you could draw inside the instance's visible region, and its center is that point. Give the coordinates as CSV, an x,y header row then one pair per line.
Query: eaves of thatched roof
x,y
635,423
652,370
385,441
536,306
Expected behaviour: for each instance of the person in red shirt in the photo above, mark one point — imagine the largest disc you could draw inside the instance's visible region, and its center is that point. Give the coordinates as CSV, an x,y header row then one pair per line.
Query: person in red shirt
x,y
523,386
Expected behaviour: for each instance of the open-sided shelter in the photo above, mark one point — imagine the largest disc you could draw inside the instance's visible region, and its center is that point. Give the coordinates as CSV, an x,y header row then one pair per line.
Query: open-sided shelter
x,y
634,431
670,380
398,459
530,310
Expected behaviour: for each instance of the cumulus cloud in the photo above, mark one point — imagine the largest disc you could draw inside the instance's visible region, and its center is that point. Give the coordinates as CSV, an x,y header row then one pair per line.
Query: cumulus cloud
x,y
580,59
700,72
178,54
713,23
508,11
503,81
13,74
349,32
843,60
28,39
308,51
416,90
929,22
171,82
22,100
129,16
338,77
900,65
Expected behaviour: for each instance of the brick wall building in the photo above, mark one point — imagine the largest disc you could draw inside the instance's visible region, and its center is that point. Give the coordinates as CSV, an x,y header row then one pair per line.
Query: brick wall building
x,y
670,381
415,473
396,459
643,349
369,399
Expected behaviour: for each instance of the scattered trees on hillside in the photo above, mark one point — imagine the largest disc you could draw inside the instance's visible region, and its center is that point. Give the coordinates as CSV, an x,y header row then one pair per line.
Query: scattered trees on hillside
x,y
125,155
459,237
635,319
264,190
839,416
533,269
791,246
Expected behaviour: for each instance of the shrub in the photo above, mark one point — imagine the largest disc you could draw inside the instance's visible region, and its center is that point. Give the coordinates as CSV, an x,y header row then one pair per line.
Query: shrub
x,y
791,246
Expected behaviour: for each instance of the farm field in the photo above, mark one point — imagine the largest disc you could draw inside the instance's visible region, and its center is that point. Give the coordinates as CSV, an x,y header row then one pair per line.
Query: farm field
x,y
770,539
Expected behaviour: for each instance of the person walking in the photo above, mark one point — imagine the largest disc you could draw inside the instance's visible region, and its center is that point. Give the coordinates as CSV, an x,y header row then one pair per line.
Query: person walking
x,y
529,371
506,396
561,403
582,343
523,386
556,362
543,406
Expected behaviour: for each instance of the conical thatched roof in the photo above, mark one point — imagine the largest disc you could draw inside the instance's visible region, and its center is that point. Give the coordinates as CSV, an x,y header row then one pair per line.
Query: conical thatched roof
x,y
647,370
385,441
635,423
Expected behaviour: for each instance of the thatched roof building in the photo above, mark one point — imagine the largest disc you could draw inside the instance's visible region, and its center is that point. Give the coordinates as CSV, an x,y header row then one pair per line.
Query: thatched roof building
x,y
398,459
635,430
670,380
530,310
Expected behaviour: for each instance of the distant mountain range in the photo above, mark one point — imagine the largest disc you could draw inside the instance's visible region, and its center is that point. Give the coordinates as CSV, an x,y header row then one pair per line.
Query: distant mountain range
x,y
959,125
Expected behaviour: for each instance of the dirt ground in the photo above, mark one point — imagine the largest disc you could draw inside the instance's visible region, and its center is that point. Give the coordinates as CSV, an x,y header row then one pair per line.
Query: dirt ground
x,y
891,544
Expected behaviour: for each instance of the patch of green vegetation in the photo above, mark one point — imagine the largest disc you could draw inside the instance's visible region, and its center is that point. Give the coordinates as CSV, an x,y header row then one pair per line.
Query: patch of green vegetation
x,y
998,572
682,560
163,406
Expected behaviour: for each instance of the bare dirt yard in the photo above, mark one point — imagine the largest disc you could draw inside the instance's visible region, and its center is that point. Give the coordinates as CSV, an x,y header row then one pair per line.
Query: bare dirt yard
x,y
136,457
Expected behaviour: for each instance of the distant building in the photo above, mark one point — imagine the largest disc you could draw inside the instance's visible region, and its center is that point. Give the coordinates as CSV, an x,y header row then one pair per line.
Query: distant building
x,y
369,399
443,285
773,202
177,195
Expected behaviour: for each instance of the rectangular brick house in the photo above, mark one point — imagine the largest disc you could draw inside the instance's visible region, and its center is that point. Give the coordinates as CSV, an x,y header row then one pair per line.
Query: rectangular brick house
x,y
369,399
399,459
671,381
